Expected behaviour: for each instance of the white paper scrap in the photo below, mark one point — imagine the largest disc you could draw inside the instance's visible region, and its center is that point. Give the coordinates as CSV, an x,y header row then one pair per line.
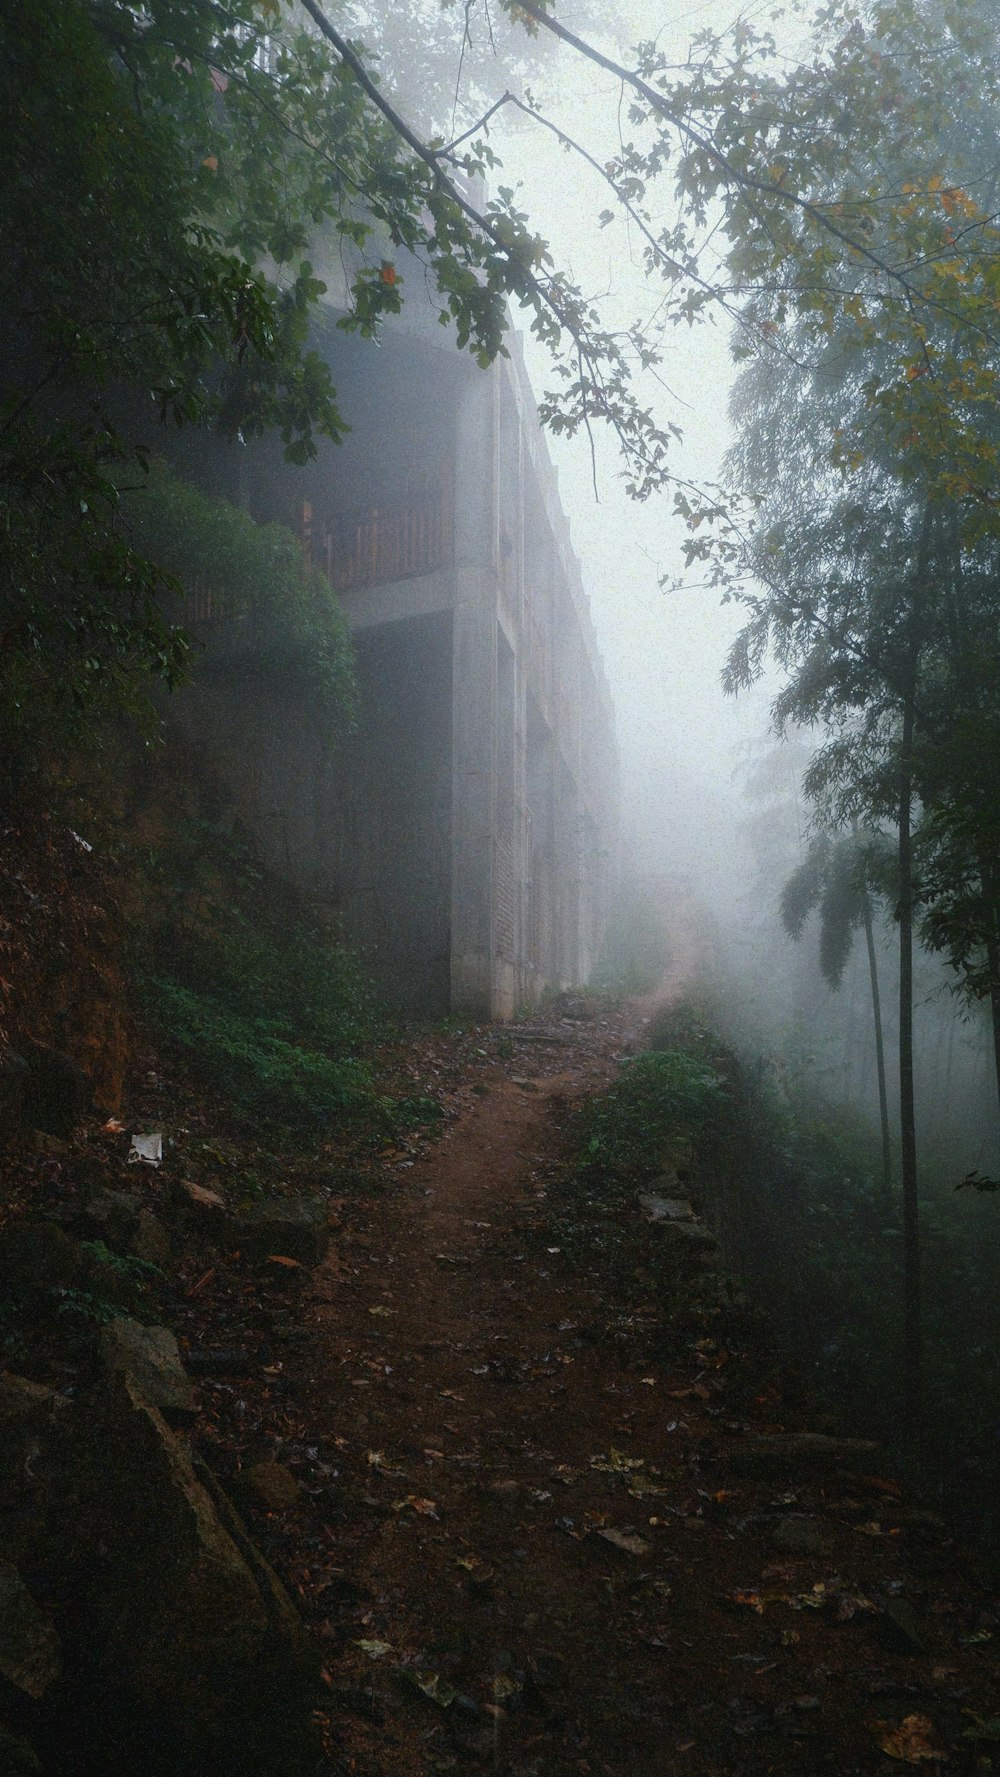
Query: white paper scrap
x,y
148,1148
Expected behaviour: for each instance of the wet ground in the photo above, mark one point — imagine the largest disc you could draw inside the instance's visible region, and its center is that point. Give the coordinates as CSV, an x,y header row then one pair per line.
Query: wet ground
x,y
536,1535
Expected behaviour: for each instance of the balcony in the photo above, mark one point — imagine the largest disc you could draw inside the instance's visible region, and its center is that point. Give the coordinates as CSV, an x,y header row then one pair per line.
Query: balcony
x,y
384,543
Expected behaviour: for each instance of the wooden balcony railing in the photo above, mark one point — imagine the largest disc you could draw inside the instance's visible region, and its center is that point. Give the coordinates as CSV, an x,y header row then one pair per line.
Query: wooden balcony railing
x,y
204,603
373,547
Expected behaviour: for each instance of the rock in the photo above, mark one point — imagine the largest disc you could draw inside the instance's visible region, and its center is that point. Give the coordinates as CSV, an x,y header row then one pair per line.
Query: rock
x,y
126,1225
21,1400
690,1241
665,1209
668,1183
270,1485
904,1626
693,1234
39,1255
920,1518
27,1414
293,1226
207,1205
38,1259
30,1659
13,1085
799,1537
57,1092
17,1757
802,1452
151,1241
112,1216
151,1356
178,1624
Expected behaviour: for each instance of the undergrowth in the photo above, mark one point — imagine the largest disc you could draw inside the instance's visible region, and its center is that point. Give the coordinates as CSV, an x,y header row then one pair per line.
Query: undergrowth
x,y
635,953
649,1122
265,1006
793,1185
658,1099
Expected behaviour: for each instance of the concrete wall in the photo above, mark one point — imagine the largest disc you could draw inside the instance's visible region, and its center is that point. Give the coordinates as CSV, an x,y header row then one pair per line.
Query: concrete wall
x,y
465,831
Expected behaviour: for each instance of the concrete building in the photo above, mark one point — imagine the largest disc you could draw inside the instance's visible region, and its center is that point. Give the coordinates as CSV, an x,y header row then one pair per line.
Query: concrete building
x,y
467,831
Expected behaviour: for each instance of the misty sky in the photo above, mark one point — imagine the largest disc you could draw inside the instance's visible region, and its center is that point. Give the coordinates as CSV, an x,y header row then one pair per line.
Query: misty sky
x,y
681,739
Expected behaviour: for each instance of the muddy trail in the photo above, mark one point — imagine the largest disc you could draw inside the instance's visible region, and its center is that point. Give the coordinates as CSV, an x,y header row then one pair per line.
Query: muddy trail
x,y
537,1529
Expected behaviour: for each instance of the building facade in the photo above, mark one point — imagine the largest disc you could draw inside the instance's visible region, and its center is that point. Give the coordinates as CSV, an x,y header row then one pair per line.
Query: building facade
x,y
466,831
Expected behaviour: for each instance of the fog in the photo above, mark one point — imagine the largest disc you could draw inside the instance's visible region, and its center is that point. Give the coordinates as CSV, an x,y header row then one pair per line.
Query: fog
x,y
664,633
690,755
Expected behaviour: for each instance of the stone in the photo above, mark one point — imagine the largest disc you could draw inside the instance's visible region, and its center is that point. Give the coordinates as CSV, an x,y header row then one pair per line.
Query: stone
x,y
38,1259
113,1216
151,1241
296,1227
270,1485
57,1093
799,1537
803,1452
13,1085
37,1255
178,1624
188,1195
127,1225
152,1357
30,1658
17,1757
21,1400
665,1209
904,1625
668,1183
689,1241
27,1415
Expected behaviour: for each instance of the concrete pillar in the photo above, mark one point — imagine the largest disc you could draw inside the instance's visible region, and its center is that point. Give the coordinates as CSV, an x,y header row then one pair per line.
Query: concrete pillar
x,y
474,697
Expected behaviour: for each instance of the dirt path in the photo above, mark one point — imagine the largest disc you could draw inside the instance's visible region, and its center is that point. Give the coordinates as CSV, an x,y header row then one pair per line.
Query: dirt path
x,y
530,1549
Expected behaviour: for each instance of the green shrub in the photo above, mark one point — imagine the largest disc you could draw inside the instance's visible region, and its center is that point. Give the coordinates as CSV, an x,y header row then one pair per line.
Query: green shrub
x,y
658,1097
252,1061
293,627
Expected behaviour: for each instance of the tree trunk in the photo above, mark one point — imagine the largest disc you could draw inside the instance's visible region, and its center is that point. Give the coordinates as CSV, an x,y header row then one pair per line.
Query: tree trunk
x,y
912,1326
988,882
883,1101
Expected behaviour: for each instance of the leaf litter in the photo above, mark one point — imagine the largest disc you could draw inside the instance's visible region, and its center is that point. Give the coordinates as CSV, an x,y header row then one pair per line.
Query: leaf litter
x,y
534,1655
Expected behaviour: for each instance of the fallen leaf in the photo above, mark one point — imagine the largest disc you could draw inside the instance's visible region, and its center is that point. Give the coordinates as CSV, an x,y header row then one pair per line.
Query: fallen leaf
x,y
435,1688
641,1487
910,1742
376,1650
633,1545
427,1508
616,1463
478,1571
749,1600
283,1259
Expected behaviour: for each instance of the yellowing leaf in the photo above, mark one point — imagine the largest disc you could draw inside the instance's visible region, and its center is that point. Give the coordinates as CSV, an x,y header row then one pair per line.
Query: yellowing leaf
x,y
910,1742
